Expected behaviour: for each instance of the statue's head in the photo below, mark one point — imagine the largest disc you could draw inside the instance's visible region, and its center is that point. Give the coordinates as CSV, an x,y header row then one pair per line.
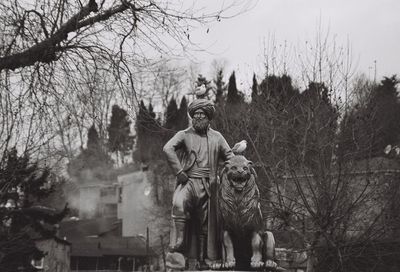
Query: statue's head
x,y
201,111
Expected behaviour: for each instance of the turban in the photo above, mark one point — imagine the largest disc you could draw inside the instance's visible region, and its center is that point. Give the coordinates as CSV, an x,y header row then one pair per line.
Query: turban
x,y
206,105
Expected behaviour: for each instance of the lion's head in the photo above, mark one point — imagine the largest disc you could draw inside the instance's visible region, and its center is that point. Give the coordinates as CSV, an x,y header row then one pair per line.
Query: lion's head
x,y
238,171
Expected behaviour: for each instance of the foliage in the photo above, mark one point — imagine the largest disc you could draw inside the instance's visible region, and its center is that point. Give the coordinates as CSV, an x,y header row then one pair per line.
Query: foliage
x,y
220,87
23,183
120,139
233,97
93,162
171,115
183,118
306,186
373,124
149,134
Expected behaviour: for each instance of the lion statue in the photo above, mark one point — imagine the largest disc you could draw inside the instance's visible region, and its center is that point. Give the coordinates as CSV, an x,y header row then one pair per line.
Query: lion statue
x,y
242,224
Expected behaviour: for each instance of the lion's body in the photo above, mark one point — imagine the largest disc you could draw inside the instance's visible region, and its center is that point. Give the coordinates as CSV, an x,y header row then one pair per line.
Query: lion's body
x,y
240,211
239,206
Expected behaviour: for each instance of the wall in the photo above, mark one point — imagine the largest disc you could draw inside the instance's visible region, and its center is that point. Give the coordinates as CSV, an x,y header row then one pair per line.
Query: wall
x,y
57,255
89,197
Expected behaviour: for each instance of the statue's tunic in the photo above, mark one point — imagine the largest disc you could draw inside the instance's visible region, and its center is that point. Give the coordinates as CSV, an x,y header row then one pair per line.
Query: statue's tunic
x,y
188,151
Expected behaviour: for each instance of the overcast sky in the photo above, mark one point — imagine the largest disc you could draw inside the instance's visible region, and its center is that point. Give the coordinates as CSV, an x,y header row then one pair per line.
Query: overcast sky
x,y
371,26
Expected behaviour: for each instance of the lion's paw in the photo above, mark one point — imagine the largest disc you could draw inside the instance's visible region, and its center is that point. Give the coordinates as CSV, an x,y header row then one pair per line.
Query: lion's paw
x,y
229,264
271,264
257,264
216,266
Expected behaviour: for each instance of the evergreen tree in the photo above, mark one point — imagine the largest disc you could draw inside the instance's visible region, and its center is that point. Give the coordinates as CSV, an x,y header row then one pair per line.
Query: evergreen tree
x,y
149,134
254,89
367,129
23,183
93,159
183,119
219,87
93,141
171,115
120,139
277,90
316,124
233,96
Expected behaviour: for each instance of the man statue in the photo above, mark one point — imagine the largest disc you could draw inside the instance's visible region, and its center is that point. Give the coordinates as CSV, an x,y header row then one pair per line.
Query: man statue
x,y
194,155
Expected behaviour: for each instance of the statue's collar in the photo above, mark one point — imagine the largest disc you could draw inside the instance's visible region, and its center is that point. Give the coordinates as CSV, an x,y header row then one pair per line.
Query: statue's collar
x,y
192,130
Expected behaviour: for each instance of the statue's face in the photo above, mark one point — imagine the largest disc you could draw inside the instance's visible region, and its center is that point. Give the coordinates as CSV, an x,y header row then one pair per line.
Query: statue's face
x,y
199,114
200,121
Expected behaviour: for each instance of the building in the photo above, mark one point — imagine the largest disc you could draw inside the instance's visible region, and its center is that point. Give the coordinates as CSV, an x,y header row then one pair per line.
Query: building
x,y
56,255
97,244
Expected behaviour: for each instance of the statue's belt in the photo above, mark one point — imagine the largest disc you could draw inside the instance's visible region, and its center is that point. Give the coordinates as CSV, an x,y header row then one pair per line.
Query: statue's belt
x,y
198,172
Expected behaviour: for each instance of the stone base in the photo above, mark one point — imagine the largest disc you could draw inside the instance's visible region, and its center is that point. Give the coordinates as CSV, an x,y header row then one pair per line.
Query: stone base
x,y
175,261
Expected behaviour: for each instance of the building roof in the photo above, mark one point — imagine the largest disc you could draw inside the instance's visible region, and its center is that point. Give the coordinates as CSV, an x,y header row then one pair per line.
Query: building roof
x,y
110,246
131,177
55,238
77,229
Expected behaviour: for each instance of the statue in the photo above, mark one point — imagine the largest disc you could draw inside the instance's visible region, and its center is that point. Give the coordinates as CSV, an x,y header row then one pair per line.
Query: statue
x,y
194,155
242,225
200,204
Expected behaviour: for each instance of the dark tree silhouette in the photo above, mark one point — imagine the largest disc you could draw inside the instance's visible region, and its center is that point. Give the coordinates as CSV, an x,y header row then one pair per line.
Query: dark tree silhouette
x,y
183,119
120,139
254,89
171,116
219,87
93,159
367,129
233,96
149,134
23,183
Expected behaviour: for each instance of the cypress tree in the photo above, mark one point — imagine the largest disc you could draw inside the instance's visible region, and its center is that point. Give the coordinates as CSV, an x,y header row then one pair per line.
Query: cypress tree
x,y
254,89
233,97
171,115
183,119
220,87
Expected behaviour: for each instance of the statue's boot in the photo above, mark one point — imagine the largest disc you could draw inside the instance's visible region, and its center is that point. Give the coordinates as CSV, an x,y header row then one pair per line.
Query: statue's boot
x,y
202,253
179,245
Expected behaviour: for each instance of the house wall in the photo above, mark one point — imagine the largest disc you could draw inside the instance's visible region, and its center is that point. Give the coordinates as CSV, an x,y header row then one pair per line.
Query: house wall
x,y
136,206
57,255
89,199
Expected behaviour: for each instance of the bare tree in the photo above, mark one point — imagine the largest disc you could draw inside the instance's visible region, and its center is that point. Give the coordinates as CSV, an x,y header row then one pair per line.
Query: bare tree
x,y
64,62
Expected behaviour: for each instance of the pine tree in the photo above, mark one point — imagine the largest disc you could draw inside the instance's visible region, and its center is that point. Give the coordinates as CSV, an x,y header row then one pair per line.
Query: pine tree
x,y
23,183
120,139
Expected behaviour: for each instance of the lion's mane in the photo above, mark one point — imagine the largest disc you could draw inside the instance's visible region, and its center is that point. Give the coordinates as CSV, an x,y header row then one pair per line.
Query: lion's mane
x,y
239,210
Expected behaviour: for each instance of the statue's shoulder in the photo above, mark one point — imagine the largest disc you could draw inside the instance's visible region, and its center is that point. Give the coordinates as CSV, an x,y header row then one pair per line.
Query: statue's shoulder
x,y
188,130
213,132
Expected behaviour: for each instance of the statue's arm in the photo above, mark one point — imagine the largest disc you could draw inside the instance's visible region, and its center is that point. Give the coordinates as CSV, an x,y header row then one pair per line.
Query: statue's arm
x,y
224,149
170,149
